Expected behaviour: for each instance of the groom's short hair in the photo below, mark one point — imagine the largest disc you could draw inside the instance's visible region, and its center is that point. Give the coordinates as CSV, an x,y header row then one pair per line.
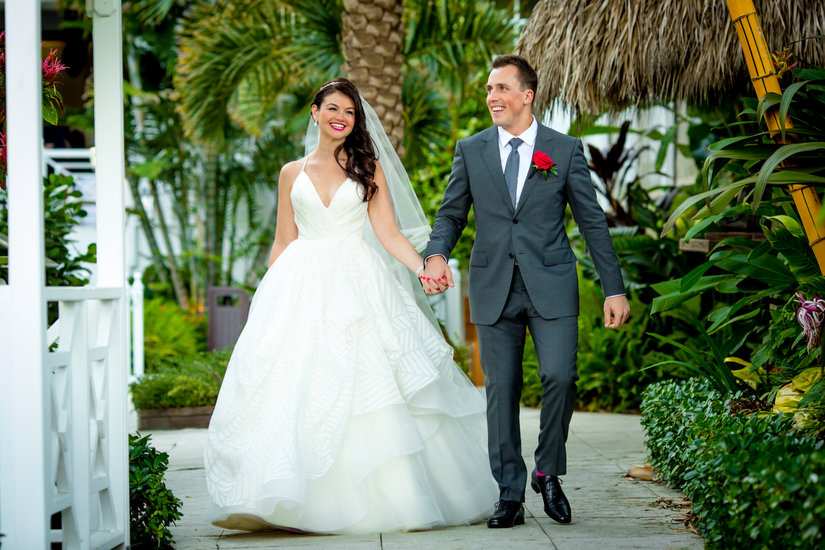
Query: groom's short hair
x,y
526,74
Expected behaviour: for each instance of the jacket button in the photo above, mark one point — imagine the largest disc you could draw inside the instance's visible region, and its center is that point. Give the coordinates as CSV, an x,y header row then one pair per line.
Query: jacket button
x,y
511,255
515,221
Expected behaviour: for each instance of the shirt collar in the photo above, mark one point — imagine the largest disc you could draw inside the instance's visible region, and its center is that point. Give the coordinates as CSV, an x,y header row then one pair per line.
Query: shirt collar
x,y
528,136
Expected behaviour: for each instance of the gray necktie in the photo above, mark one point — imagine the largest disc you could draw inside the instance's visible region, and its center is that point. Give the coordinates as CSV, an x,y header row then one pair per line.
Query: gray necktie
x,y
511,169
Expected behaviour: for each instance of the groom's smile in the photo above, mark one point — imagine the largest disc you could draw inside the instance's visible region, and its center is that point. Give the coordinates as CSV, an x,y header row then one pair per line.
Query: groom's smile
x,y
509,104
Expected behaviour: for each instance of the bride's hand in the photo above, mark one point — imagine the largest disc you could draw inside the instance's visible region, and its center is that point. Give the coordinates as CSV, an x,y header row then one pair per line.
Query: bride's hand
x,y
437,276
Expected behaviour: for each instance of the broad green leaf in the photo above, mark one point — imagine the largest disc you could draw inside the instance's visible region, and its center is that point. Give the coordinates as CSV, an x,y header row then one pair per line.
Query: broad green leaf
x,y
718,203
694,276
796,251
779,156
690,202
701,226
768,269
790,224
667,139
50,113
725,142
754,298
675,297
728,320
787,96
766,102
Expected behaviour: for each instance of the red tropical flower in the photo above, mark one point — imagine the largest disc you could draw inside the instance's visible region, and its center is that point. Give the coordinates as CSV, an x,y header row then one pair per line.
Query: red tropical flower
x,y
52,66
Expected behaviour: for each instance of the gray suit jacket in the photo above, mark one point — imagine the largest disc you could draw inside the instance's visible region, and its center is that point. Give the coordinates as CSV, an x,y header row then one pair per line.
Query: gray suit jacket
x,y
533,232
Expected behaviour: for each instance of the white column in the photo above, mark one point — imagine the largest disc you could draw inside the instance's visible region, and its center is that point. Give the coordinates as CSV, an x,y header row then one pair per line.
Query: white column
x,y
25,425
111,265
455,304
138,360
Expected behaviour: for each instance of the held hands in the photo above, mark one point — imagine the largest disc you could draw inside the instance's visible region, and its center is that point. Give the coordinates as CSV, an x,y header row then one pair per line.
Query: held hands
x,y
437,277
616,311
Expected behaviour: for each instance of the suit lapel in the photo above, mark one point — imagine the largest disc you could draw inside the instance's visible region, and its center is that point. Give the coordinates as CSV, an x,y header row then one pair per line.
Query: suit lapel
x,y
492,161
543,139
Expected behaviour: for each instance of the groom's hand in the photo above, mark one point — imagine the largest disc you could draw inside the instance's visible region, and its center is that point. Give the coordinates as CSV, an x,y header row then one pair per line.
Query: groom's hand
x,y
437,276
616,311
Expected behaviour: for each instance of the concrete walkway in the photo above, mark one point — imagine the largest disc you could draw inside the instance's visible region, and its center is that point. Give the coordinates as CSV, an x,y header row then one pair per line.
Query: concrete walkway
x,y
609,510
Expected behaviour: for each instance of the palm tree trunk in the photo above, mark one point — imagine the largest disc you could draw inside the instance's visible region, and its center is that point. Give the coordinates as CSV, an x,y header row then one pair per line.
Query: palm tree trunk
x,y
177,284
211,207
372,39
149,233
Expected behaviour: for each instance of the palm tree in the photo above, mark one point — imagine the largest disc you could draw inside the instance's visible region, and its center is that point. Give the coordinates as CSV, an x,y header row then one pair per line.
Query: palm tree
x,y
372,41
254,61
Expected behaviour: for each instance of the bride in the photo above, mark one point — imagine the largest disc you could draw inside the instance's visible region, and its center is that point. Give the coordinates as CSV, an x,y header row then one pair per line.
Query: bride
x,y
342,410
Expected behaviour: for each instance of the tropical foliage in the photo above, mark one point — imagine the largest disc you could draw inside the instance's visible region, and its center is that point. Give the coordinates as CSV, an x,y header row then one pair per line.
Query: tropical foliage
x,y
749,283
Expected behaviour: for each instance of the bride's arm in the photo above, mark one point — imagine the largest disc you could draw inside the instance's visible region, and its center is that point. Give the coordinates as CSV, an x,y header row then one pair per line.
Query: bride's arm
x,y
285,229
383,223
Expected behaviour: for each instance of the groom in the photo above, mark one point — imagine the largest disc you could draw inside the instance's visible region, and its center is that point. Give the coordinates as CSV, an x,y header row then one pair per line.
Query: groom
x,y
523,275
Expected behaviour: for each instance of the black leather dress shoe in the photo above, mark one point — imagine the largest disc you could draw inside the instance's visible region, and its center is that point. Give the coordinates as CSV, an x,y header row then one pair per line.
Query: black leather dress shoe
x,y
555,503
508,513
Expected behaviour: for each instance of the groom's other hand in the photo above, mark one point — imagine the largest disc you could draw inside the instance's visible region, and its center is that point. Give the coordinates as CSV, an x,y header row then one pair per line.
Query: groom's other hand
x,y
616,311
437,275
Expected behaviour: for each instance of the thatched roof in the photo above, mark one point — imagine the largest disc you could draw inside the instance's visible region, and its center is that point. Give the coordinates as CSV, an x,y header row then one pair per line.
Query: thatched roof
x,y
593,54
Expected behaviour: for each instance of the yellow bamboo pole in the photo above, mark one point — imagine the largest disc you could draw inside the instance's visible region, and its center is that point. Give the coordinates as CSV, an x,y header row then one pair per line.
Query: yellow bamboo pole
x,y
763,76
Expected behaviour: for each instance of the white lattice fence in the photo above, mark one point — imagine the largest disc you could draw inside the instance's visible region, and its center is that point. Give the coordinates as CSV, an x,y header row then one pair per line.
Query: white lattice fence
x,y
87,406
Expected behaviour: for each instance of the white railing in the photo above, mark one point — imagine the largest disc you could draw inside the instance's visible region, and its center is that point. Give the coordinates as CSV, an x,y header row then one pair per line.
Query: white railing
x,y
86,385
68,161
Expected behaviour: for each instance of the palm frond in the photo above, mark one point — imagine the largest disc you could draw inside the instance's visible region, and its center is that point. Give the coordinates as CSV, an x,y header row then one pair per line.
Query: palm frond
x,y
456,38
426,118
152,12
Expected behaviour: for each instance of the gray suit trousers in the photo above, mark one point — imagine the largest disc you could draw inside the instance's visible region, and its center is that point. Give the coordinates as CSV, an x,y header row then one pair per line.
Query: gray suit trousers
x,y
502,350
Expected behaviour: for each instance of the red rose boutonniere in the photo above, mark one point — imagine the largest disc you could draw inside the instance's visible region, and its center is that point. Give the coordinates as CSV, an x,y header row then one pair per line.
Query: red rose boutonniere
x,y
543,164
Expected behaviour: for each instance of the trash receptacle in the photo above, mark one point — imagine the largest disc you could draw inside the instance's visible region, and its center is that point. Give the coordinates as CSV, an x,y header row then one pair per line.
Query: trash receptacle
x,y
228,309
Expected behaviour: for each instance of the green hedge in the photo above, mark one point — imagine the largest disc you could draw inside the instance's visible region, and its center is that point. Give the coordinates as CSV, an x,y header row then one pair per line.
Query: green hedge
x,y
753,480
191,382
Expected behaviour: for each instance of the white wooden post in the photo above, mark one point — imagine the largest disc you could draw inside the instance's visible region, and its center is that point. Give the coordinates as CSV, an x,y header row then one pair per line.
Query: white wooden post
x,y
111,265
138,360
25,425
454,304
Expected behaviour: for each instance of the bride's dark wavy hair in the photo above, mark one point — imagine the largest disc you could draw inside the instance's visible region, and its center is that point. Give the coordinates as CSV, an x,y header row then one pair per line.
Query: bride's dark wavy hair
x,y
358,144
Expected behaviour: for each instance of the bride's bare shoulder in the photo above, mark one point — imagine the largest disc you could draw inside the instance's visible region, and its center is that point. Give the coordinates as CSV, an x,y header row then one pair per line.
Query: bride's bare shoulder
x,y
290,171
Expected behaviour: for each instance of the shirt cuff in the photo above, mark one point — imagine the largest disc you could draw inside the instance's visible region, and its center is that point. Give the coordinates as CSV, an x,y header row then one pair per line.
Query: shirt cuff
x,y
431,255
614,296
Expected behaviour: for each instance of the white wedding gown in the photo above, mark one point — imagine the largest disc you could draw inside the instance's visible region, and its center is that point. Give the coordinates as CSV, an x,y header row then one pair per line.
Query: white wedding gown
x,y
342,410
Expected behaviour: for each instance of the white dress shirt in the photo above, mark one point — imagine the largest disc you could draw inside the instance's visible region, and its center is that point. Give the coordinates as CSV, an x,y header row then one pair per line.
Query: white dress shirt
x,y
525,152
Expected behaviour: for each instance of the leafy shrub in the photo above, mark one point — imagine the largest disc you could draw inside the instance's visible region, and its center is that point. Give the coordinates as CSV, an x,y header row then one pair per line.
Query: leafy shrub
x,y
152,506
669,416
63,212
193,382
754,480
170,334
612,364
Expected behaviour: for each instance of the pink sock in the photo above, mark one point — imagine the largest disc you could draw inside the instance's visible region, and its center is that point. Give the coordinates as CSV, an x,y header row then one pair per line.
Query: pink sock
x,y
540,474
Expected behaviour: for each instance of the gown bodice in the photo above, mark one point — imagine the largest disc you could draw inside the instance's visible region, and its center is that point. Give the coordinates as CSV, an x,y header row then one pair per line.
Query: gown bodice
x,y
343,219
